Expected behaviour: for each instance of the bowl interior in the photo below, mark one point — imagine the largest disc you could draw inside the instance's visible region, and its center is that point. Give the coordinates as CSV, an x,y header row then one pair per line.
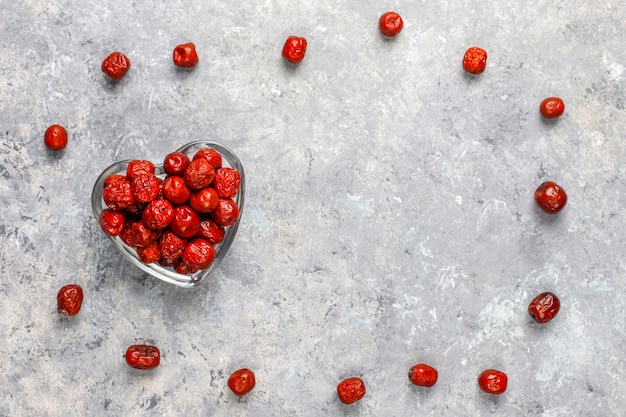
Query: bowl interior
x,y
229,159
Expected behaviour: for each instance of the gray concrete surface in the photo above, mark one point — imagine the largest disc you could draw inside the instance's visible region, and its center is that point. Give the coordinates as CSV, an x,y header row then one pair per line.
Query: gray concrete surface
x,y
389,216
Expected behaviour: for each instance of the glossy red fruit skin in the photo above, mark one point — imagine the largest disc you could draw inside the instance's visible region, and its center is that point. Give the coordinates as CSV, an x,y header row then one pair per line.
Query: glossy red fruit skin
x,y
204,200
55,137
294,49
142,236
185,223
475,60
139,167
423,375
118,196
158,214
198,254
183,267
199,174
544,307
351,390
112,222
185,55
226,213
492,381
175,163
211,231
116,65
551,107
550,197
241,382
390,24
211,155
175,190
69,300
113,179
227,182
144,357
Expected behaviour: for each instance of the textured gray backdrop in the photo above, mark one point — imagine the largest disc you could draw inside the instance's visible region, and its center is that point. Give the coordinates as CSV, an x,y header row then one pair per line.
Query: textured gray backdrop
x,y
389,218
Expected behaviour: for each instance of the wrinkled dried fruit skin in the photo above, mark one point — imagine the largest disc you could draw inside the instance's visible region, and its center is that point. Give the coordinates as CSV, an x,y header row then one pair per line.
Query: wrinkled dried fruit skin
x,y
550,197
475,60
55,137
552,107
198,254
139,167
158,214
116,65
241,381
211,155
544,307
143,357
118,196
142,236
492,381
175,190
113,179
199,174
351,390
145,188
227,182
69,300
112,222
294,49
390,24
423,375
149,254
172,246
185,55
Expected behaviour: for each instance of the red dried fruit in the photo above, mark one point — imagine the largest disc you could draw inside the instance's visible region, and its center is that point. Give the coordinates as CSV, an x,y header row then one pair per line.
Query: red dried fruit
x,y
492,381
146,188
544,307
211,231
199,174
294,49
118,196
139,167
111,222
184,268
55,137
241,381
550,197
423,375
351,390
158,214
226,213
185,223
198,254
116,65
172,246
227,182
185,55
390,24
551,107
211,155
149,254
205,200
143,357
475,60
142,236
69,300
113,179
175,190
175,163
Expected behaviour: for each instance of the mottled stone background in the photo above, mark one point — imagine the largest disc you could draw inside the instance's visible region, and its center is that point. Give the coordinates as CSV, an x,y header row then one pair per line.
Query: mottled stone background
x,y
389,217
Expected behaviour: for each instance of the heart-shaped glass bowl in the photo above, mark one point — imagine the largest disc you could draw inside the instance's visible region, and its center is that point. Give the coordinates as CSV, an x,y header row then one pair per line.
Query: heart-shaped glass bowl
x,y
229,159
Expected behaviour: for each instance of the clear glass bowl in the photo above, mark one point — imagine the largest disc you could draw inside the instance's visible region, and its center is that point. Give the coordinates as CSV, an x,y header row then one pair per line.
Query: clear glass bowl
x,y
229,159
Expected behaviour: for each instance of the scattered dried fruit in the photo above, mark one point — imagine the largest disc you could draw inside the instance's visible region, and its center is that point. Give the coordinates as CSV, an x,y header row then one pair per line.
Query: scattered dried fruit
x,y
185,55
544,307
55,137
492,381
551,107
550,197
423,375
143,357
351,390
69,300
294,49
116,65
241,382
390,24
475,60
